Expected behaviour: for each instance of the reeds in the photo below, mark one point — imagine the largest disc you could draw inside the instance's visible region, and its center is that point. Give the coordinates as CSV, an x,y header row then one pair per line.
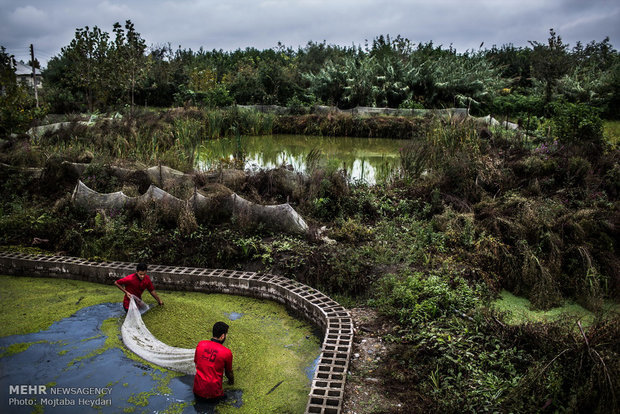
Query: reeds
x,y
188,135
172,137
440,145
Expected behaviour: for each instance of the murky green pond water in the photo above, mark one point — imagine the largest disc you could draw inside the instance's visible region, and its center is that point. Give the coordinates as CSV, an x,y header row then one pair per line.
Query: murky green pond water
x,y
368,159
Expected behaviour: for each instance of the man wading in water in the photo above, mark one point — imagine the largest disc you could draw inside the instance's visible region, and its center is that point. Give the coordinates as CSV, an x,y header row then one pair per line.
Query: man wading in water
x,y
134,284
212,360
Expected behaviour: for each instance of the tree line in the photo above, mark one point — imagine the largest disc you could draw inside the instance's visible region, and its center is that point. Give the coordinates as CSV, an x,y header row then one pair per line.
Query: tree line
x,y
102,71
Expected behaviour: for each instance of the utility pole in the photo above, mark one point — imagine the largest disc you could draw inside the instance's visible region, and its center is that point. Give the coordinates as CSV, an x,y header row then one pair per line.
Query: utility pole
x,y
34,75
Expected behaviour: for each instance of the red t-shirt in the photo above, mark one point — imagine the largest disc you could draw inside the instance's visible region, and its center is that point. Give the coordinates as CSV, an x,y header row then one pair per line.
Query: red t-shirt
x,y
135,286
211,359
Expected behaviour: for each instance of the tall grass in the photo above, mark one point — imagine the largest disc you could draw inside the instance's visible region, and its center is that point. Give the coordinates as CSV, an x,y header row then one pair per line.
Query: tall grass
x,y
188,135
312,159
440,145
224,122
172,137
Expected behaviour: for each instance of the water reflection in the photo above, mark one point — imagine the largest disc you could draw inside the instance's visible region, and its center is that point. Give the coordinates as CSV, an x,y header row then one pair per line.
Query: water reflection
x,y
368,159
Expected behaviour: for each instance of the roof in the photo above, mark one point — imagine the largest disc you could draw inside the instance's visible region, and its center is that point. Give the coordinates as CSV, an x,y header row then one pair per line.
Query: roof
x,y
21,70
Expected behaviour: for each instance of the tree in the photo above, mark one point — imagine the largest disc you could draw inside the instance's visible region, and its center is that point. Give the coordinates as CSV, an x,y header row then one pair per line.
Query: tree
x,y
129,60
443,78
17,108
165,75
245,85
36,64
87,55
514,63
361,88
328,83
7,70
600,55
392,73
61,93
550,62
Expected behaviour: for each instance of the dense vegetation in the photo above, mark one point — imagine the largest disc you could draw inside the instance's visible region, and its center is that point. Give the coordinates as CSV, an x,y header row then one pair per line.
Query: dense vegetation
x,y
102,71
473,210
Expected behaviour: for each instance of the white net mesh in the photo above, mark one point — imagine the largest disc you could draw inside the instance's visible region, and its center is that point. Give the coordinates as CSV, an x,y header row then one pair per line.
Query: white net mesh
x,y
141,341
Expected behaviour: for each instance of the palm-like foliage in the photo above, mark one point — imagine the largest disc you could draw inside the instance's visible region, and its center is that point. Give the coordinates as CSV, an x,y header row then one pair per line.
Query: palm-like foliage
x,y
361,88
392,75
329,83
453,79
446,80
591,85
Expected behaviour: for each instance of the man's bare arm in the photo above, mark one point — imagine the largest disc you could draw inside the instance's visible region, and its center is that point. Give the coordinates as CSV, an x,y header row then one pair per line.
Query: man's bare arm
x,y
123,289
231,376
154,294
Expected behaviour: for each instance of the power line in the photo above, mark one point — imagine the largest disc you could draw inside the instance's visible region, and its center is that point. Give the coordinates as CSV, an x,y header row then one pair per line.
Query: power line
x,y
26,51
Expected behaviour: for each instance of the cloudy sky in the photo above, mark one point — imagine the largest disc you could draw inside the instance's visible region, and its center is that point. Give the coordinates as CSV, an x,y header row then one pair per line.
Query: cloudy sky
x,y
232,24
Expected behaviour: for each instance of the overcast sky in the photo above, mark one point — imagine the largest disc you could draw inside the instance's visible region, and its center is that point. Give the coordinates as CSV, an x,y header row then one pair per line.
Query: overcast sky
x,y
232,24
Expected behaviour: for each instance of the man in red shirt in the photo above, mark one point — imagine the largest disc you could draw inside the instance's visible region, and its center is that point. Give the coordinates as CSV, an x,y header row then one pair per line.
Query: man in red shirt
x,y
135,283
212,360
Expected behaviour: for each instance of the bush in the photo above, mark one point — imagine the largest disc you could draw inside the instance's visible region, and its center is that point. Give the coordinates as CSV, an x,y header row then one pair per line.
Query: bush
x,y
326,194
578,169
217,96
352,231
416,298
17,111
577,123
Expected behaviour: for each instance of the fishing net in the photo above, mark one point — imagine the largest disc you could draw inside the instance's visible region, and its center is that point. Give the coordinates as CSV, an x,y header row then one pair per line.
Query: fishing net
x,y
280,217
141,341
92,200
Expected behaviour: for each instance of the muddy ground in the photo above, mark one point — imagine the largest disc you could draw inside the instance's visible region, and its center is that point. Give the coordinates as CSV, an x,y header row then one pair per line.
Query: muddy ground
x,y
372,385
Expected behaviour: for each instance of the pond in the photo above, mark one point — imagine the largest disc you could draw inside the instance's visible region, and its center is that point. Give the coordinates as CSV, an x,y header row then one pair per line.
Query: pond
x,y
368,159
54,334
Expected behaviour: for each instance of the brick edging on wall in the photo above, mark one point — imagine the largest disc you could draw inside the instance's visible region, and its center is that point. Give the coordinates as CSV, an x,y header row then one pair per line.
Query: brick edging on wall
x,y
327,390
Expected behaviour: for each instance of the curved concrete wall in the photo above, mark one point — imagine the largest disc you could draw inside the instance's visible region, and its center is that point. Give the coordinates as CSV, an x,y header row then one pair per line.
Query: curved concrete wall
x,y
327,389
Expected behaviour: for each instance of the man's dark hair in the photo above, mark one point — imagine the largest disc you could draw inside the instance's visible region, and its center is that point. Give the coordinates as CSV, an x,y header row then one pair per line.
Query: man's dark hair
x,y
141,266
219,328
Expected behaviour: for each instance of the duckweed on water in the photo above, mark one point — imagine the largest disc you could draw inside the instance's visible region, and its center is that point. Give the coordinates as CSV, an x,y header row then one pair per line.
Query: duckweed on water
x,y
519,310
175,408
268,344
31,304
16,348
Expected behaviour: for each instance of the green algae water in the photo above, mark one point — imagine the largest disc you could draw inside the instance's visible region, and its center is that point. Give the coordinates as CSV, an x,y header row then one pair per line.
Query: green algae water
x,y
268,344
367,159
519,310
63,333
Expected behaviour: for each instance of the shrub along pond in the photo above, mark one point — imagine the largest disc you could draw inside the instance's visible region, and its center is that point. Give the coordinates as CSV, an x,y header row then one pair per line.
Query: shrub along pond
x,y
66,333
367,159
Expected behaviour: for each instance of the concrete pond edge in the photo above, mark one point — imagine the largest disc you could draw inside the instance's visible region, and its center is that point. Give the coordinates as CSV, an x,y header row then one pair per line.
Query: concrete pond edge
x,y
327,389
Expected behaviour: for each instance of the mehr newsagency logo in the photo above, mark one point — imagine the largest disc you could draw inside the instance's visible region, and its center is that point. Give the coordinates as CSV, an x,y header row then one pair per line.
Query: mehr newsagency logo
x,y
55,396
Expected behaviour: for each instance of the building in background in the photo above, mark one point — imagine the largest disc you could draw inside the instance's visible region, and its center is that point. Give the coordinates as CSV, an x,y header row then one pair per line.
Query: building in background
x,y
23,73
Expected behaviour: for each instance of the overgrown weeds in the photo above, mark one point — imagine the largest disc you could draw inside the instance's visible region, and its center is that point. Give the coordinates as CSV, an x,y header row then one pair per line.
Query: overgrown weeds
x,y
347,125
